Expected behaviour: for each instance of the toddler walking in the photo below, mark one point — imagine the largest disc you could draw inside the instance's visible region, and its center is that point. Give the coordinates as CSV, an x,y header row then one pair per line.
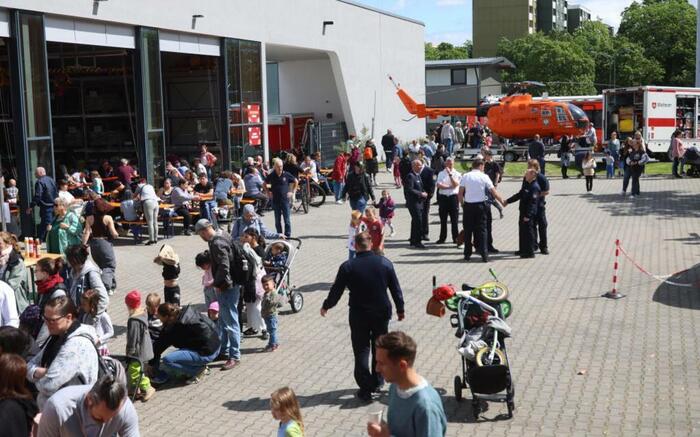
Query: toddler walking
x,y
101,322
386,211
139,347
171,272
609,165
271,300
353,229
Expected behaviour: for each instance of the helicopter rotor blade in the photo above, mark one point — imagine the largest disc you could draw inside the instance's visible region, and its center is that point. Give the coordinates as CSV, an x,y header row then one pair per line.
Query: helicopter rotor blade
x,y
408,119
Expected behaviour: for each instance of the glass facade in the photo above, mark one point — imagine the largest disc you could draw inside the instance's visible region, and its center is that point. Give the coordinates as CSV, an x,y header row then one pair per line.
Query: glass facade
x,y
149,47
37,111
244,92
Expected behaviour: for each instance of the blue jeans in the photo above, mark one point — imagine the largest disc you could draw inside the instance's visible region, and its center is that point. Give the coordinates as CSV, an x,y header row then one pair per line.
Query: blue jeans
x,y
46,214
448,145
359,204
206,208
337,189
187,362
676,162
281,208
228,318
271,322
625,179
610,170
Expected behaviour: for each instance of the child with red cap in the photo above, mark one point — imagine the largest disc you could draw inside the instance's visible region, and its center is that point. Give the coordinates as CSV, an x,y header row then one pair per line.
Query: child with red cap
x,y
139,348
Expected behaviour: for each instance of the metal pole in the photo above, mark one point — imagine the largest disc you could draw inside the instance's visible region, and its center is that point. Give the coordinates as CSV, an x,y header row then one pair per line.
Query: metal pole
x,y
697,47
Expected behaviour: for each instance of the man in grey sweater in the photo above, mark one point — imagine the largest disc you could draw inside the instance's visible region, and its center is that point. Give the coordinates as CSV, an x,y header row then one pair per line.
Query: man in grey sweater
x,y
84,410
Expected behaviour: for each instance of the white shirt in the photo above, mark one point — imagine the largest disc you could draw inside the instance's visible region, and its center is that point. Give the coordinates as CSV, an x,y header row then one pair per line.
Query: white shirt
x,y
447,132
444,178
8,306
312,166
475,184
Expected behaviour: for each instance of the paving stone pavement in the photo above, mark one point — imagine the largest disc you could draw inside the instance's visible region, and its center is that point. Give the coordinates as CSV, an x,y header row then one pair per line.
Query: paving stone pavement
x,y
641,354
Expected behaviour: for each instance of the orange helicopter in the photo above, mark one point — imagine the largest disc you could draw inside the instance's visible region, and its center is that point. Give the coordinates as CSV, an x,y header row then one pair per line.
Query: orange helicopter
x,y
516,116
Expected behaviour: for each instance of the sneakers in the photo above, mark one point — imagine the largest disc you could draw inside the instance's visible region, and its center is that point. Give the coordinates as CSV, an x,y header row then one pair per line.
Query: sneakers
x,y
339,202
110,292
199,376
264,335
160,378
393,233
250,331
271,348
230,364
148,395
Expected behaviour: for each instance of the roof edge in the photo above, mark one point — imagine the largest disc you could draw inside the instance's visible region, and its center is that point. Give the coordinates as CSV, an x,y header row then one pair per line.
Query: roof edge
x,y
381,11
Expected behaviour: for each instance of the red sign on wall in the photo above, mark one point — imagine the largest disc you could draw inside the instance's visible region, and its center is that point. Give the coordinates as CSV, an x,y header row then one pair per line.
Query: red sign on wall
x,y
253,113
254,135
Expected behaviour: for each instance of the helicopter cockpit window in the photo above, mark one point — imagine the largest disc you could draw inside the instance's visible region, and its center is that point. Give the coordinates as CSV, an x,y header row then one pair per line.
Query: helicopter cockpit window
x,y
577,112
561,115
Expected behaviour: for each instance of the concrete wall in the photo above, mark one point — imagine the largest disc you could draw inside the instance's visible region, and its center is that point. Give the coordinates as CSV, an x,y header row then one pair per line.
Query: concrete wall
x,y
309,86
363,45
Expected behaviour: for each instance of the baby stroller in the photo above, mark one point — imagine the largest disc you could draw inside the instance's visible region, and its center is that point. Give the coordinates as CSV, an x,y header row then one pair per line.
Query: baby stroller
x,y
481,330
692,161
283,274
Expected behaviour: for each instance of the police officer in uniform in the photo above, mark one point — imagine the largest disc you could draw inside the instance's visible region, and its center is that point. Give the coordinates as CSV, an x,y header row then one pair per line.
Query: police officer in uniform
x,y
540,224
472,196
427,176
415,199
528,196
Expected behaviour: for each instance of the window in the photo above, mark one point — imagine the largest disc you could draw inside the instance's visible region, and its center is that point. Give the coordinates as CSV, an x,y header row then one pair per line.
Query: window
x,y
561,115
459,77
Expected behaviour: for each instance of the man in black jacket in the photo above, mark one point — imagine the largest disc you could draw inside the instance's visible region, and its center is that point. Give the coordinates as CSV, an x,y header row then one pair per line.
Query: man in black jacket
x,y
388,146
229,294
415,194
45,192
367,276
528,196
536,151
427,176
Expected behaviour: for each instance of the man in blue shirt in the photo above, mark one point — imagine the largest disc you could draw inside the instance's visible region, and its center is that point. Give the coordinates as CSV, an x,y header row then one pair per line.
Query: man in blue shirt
x,y
282,185
45,192
415,408
367,276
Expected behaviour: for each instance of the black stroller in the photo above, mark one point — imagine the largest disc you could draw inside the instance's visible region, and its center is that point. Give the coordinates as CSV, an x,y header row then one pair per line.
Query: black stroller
x,y
692,162
481,330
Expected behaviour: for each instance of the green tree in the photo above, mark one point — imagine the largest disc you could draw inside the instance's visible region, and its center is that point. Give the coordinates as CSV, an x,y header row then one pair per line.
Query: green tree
x,y
563,66
445,50
618,61
666,31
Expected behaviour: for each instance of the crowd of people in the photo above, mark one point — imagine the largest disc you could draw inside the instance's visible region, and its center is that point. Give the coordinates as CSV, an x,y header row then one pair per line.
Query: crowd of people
x,y
55,367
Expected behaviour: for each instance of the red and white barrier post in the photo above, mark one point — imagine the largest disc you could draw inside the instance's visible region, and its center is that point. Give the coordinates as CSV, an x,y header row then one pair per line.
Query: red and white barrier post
x,y
613,294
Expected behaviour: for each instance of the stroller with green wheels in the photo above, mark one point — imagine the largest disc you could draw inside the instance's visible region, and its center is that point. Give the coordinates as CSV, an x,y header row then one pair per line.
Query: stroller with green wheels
x,y
479,319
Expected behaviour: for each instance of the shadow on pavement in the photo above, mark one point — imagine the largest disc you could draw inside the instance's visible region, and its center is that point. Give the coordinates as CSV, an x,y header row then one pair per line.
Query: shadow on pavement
x,y
667,204
344,398
316,286
692,238
678,296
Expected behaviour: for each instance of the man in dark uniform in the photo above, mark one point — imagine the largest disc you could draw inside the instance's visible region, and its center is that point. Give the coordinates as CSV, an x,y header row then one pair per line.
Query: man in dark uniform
x,y
540,225
388,146
494,171
367,276
427,176
415,202
536,151
529,197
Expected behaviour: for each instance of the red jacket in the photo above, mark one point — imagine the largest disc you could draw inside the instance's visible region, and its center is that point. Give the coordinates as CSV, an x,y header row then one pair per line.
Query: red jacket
x,y
339,169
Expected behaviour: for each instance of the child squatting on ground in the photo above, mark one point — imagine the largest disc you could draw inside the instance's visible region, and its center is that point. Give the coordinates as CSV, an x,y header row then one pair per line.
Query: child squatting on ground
x,y
139,347
285,408
171,272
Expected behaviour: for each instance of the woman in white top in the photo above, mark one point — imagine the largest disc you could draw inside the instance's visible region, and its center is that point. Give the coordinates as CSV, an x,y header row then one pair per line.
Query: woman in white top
x,y
149,204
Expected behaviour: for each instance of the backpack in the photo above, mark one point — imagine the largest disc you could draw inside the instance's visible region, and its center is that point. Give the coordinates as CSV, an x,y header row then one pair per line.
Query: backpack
x,y
368,153
242,265
107,365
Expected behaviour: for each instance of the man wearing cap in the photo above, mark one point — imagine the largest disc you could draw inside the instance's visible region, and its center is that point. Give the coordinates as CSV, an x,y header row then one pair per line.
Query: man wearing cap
x,y
229,294
448,188
472,196
249,219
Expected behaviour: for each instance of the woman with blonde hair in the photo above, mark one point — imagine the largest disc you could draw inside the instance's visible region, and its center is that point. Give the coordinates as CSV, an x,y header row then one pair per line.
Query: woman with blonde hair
x,y
65,230
285,408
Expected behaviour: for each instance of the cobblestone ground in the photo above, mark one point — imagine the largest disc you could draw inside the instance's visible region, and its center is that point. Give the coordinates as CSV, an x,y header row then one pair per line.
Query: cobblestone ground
x,y
639,356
